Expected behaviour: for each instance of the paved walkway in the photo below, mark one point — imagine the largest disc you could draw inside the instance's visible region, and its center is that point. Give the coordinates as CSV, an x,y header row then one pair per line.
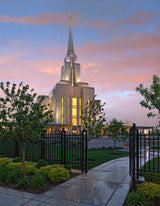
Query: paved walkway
x,y
105,185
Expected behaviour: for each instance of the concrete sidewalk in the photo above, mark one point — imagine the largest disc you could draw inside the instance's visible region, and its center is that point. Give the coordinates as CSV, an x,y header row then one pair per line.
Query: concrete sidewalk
x,y
105,185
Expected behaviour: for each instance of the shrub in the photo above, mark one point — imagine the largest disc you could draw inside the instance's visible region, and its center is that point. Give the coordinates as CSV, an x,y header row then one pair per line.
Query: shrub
x,y
13,172
41,163
39,181
24,182
135,199
17,159
44,170
4,161
57,166
152,177
14,166
30,168
149,189
58,175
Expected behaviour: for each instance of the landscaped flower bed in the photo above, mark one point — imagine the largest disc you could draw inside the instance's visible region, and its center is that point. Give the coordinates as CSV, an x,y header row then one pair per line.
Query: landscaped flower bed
x,y
39,177
147,193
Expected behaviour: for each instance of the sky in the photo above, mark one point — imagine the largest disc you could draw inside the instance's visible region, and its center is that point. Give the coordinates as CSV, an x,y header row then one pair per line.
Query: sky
x,y
117,44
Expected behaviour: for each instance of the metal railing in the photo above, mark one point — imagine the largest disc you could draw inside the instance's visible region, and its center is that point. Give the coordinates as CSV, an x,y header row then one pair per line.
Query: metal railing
x,y
71,150
144,150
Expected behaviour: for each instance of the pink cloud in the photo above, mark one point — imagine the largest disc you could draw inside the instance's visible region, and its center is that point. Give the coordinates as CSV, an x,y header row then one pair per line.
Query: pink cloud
x,y
138,19
129,42
45,19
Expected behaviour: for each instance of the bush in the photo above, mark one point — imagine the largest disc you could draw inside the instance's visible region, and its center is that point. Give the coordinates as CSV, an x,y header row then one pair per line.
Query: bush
x,y
24,182
44,170
149,189
4,161
58,175
57,166
152,177
13,172
17,159
135,199
41,163
14,166
30,168
39,181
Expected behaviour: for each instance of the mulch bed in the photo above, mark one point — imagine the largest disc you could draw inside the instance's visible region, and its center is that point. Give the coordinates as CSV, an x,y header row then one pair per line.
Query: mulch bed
x,y
49,185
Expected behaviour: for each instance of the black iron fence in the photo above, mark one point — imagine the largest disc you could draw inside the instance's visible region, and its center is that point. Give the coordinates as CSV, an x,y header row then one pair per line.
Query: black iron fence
x,y
144,146
70,150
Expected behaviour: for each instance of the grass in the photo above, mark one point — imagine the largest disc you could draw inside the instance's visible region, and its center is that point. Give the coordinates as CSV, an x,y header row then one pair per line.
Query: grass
x,y
97,157
152,165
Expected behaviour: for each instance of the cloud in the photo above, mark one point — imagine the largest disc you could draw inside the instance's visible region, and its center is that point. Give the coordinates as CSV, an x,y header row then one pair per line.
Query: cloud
x,y
139,18
45,19
131,42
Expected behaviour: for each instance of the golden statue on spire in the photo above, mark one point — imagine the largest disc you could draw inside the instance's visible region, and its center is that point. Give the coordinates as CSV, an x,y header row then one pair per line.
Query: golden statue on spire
x,y
70,17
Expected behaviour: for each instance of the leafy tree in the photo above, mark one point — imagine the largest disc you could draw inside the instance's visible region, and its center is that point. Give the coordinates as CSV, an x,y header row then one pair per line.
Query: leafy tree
x,y
151,97
20,116
116,130
93,117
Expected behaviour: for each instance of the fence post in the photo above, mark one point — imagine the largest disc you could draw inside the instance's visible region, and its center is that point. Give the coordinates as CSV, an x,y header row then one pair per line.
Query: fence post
x,y
63,147
16,148
43,145
85,138
132,154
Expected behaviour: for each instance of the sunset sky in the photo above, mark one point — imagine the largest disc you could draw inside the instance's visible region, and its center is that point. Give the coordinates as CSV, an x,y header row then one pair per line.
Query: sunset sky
x,y
117,43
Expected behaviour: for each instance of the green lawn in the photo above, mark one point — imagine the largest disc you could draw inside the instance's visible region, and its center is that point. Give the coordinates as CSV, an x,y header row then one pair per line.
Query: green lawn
x,y
97,157
152,165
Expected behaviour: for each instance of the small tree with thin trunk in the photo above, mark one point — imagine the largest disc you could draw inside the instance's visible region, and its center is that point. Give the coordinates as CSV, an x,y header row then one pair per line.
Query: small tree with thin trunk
x,y
151,97
116,130
20,116
93,117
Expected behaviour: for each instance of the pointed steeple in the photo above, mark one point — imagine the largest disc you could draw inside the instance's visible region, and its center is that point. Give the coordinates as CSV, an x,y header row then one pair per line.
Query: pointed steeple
x,y
70,50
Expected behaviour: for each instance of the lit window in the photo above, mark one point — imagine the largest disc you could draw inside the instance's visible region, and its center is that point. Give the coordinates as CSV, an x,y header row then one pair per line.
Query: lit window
x,y
69,110
80,107
74,111
62,120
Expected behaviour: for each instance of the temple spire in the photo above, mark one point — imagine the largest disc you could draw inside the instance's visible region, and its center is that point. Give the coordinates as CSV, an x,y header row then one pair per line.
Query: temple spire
x,y
70,41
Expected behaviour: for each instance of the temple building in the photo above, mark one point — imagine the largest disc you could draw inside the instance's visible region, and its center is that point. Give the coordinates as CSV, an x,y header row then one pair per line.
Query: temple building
x,y
70,95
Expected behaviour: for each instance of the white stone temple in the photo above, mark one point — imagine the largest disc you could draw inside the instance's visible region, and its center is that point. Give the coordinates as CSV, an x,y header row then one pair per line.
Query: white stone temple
x,y
70,95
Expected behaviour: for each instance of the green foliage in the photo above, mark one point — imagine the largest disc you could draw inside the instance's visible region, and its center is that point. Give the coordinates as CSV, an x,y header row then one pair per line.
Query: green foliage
x,y
13,172
15,166
57,166
41,163
39,181
21,116
17,159
25,182
137,199
44,170
30,168
93,117
4,161
152,177
58,175
116,131
149,189
151,97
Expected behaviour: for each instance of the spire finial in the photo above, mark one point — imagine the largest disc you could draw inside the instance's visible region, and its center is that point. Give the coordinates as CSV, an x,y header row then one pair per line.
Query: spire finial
x,y
70,17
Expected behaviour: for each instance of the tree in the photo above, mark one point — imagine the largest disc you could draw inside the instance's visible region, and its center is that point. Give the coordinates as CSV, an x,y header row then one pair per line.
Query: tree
x,y
93,117
151,97
116,130
20,116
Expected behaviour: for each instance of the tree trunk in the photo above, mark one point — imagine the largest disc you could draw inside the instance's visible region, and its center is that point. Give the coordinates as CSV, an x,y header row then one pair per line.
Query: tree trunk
x,y
114,146
23,158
